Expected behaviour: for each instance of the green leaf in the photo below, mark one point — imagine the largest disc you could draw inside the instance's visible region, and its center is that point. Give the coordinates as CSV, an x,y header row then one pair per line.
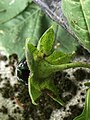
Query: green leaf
x,y
86,111
49,84
27,25
11,8
58,57
30,24
68,44
46,42
29,51
34,90
29,1
78,16
64,41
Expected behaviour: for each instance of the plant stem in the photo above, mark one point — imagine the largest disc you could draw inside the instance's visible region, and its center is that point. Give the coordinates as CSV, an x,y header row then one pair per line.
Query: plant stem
x,y
56,68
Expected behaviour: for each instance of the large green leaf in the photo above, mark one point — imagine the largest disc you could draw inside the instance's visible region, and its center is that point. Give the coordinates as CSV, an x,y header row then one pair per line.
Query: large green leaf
x,y
29,24
77,13
86,111
67,43
11,8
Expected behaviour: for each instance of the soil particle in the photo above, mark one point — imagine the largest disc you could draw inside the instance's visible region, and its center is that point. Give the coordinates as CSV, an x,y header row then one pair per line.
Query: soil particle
x,y
82,94
88,75
10,117
12,59
83,99
4,110
17,110
75,110
14,102
13,70
7,65
7,90
82,52
16,87
67,98
66,85
3,57
23,95
1,79
80,74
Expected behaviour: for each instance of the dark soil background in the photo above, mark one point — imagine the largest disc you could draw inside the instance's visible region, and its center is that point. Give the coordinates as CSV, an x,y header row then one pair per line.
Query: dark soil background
x,y
15,103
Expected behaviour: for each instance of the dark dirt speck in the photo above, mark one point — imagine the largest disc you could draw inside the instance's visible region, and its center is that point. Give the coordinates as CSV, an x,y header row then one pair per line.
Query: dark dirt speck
x,y
10,117
75,111
3,57
4,110
80,74
12,59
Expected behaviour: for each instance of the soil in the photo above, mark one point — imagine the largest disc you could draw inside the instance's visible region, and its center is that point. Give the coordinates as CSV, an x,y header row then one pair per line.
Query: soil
x,y
15,102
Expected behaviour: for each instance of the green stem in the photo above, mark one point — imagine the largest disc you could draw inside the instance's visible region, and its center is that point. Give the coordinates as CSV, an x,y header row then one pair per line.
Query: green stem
x,y
56,68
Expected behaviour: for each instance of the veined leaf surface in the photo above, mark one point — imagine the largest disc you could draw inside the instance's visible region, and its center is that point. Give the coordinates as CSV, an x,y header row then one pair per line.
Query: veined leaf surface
x,y
77,13
11,8
46,42
28,24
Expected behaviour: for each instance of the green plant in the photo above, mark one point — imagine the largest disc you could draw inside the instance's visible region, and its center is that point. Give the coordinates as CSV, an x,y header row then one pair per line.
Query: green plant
x,y
43,61
28,21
